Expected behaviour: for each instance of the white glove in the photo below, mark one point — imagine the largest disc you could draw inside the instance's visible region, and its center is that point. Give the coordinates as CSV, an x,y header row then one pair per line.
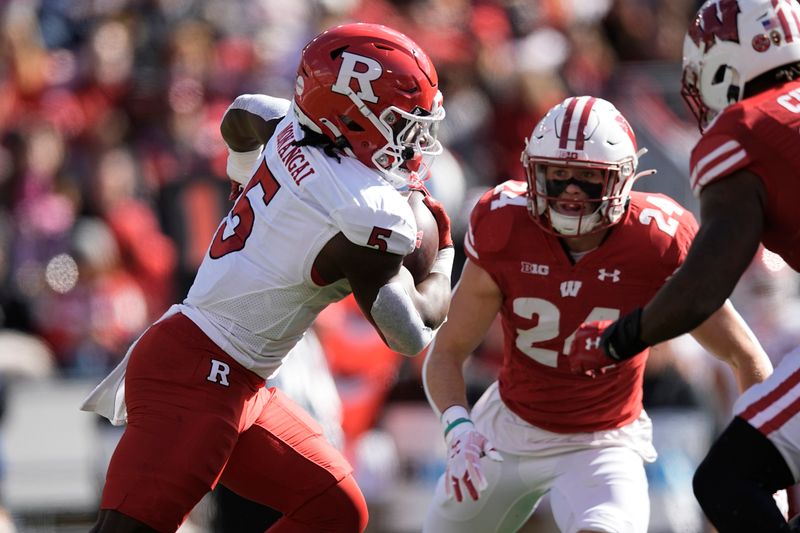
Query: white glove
x,y
782,501
465,446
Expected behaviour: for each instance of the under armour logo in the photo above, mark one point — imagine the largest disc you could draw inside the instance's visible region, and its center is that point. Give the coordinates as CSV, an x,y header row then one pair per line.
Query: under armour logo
x,y
602,275
219,372
593,344
570,288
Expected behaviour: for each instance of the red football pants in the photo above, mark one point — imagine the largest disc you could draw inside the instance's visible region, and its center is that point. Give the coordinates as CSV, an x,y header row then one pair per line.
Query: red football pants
x,y
196,417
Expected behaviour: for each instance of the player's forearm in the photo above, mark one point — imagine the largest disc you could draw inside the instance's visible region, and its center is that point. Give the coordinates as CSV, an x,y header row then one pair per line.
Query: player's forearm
x,y
443,379
672,313
721,251
242,130
691,296
433,300
727,336
748,371
250,121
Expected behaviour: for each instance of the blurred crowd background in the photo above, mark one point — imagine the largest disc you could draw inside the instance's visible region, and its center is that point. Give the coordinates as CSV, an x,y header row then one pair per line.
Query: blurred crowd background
x,y
112,182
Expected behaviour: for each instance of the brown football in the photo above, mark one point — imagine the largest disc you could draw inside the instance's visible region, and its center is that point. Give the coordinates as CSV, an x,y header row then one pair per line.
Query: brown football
x,y
420,261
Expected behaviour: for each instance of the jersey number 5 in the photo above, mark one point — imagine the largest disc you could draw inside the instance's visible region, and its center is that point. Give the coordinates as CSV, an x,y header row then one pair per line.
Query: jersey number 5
x,y
236,228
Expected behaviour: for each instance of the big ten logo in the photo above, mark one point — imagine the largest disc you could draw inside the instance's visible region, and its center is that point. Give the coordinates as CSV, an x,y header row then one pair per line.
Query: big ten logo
x,y
567,154
533,268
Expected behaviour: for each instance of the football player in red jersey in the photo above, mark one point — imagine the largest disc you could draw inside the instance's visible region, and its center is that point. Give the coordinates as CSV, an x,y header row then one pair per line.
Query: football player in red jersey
x,y
320,216
741,78
572,245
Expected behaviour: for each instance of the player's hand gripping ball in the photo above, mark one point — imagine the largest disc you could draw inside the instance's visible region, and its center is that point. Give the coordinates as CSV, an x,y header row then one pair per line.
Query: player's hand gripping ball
x,y
420,261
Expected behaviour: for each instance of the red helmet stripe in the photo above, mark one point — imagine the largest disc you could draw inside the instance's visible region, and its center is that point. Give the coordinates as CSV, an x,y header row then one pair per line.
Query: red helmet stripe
x,y
580,138
564,137
787,30
796,21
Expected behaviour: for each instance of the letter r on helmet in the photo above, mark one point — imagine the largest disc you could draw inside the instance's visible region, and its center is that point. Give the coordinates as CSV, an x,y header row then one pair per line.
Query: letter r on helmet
x,y
364,70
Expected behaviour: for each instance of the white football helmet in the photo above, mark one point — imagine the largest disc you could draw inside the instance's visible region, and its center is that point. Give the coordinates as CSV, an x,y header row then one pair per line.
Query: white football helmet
x,y
729,43
582,132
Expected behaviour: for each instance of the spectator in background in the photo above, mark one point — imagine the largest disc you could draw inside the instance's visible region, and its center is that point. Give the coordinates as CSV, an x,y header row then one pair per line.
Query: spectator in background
x,y
146,252
93,307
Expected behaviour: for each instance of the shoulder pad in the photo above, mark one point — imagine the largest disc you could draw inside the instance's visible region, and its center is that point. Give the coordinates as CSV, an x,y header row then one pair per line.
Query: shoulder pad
x,y
381,218
492,218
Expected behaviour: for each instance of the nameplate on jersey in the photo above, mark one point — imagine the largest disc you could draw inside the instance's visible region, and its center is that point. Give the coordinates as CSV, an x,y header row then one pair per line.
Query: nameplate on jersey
x,y
292,156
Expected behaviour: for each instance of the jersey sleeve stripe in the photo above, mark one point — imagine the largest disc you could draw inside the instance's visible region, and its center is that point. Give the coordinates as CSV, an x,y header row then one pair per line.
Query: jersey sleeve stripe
x,y
714,154
720,168
469,244
712,157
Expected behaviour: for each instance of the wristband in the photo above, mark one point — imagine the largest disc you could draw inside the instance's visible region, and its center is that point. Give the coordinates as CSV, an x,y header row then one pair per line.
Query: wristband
x,y
240,164
443,264
453,416
454,423
622,340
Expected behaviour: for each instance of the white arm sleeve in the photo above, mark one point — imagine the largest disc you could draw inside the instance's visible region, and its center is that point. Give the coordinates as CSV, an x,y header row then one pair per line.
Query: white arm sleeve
x,y
399,321
240,164
266,107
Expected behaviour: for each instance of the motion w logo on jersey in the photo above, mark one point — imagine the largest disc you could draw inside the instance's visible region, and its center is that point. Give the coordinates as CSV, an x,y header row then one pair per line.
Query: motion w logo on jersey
x,y
570,288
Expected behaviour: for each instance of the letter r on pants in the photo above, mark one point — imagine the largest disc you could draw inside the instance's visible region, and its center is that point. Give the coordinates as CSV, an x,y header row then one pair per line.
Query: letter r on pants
x,y
219,372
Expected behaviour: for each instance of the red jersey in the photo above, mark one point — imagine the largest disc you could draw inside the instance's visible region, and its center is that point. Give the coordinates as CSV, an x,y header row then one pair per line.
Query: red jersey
x,y
546,296
760,134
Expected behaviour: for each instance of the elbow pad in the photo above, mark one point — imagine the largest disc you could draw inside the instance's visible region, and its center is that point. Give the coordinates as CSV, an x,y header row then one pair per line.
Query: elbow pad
x,y
399,321
266,107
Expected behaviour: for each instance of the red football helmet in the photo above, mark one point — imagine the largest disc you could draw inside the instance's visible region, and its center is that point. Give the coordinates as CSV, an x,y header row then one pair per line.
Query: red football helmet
x,y
375,93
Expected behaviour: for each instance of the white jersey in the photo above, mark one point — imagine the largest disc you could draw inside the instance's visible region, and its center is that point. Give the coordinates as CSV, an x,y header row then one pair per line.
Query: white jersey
x,y
255,294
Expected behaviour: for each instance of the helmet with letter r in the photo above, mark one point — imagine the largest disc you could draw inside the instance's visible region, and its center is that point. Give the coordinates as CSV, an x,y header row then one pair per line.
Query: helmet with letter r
x,y
375,94
731,43
588,140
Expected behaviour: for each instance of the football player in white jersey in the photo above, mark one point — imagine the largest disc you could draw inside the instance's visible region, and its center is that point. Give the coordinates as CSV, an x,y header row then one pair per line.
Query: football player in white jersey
x,y
321,215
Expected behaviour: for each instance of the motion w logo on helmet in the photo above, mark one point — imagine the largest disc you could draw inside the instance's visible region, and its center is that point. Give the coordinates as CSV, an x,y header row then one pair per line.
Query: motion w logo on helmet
x,y
717,22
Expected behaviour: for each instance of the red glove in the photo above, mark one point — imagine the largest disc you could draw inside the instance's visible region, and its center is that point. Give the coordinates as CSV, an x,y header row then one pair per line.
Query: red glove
x,y
439,214
236,189
587,355
442,221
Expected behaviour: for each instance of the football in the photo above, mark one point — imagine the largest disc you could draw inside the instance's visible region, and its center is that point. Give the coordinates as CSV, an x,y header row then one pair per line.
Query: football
x,y
420,261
